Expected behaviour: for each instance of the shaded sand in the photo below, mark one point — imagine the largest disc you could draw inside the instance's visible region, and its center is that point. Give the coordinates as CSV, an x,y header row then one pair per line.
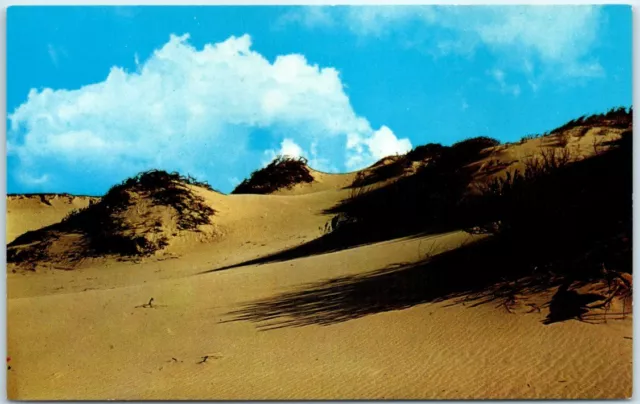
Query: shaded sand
x,y
350,324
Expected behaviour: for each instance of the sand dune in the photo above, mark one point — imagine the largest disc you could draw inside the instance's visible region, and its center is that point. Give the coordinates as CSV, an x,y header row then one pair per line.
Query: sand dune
x,y
32,212
360,323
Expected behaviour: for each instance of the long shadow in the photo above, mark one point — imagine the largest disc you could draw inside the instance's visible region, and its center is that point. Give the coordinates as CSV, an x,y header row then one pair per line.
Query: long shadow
x,y
472,275
325,244
476,274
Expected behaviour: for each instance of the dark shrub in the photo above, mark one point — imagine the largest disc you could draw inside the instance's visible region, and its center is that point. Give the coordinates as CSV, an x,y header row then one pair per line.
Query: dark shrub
x,y
382,172
616,118
427,151
282,172
470,149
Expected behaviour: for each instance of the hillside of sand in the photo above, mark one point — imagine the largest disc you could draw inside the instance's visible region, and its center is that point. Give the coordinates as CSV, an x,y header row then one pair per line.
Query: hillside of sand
x,y
32,212
379,320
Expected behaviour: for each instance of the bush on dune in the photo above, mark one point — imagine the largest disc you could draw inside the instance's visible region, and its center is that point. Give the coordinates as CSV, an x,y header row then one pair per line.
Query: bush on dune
x,y
423,152
104,227
620,118
452,157
572,215
424,201
282,173
381,172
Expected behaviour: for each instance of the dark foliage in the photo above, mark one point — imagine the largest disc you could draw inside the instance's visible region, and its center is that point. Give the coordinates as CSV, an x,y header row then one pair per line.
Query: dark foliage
x,y
427,151
425,200
620,118
382,172
615,118
104,232
469,149
460,153
282,172
571,216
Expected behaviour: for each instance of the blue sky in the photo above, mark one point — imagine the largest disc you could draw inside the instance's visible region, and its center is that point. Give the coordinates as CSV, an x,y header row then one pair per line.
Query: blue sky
x,y
97,94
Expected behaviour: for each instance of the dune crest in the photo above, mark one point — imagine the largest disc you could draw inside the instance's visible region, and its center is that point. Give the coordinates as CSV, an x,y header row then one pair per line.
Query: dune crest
x,y
139,217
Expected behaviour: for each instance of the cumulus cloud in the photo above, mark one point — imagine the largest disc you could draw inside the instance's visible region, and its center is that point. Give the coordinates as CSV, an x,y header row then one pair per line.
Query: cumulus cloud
x,y
381,144
288,148
556,37
195,111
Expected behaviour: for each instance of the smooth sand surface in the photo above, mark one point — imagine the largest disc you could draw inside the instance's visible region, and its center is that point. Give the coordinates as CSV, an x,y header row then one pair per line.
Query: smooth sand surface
x,y
82,335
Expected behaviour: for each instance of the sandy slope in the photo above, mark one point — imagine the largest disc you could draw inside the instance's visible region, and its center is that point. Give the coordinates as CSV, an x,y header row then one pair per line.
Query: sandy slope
x,y
32,212
79,335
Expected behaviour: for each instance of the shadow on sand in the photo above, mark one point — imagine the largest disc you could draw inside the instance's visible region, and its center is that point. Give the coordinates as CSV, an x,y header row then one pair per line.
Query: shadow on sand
x,y
474,274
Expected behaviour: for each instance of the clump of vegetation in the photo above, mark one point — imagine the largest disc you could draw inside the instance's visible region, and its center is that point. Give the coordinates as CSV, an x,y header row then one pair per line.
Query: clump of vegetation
x,y
620,118
431,153
424,152
570,217
526,138
381,172
100,223
424,201
106,229
282,172
616,118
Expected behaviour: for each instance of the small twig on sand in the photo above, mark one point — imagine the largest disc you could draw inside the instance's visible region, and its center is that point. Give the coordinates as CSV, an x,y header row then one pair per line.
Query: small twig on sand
x,y
204,358
147,305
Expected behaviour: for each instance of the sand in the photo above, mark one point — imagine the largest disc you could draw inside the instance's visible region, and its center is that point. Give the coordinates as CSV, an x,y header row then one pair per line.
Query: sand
x,y
32,212
85,334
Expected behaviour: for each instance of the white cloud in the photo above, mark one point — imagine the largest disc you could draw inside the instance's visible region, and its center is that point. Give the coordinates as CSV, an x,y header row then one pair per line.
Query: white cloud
x,y
558,38
291,149
190,110
288,148
382,143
